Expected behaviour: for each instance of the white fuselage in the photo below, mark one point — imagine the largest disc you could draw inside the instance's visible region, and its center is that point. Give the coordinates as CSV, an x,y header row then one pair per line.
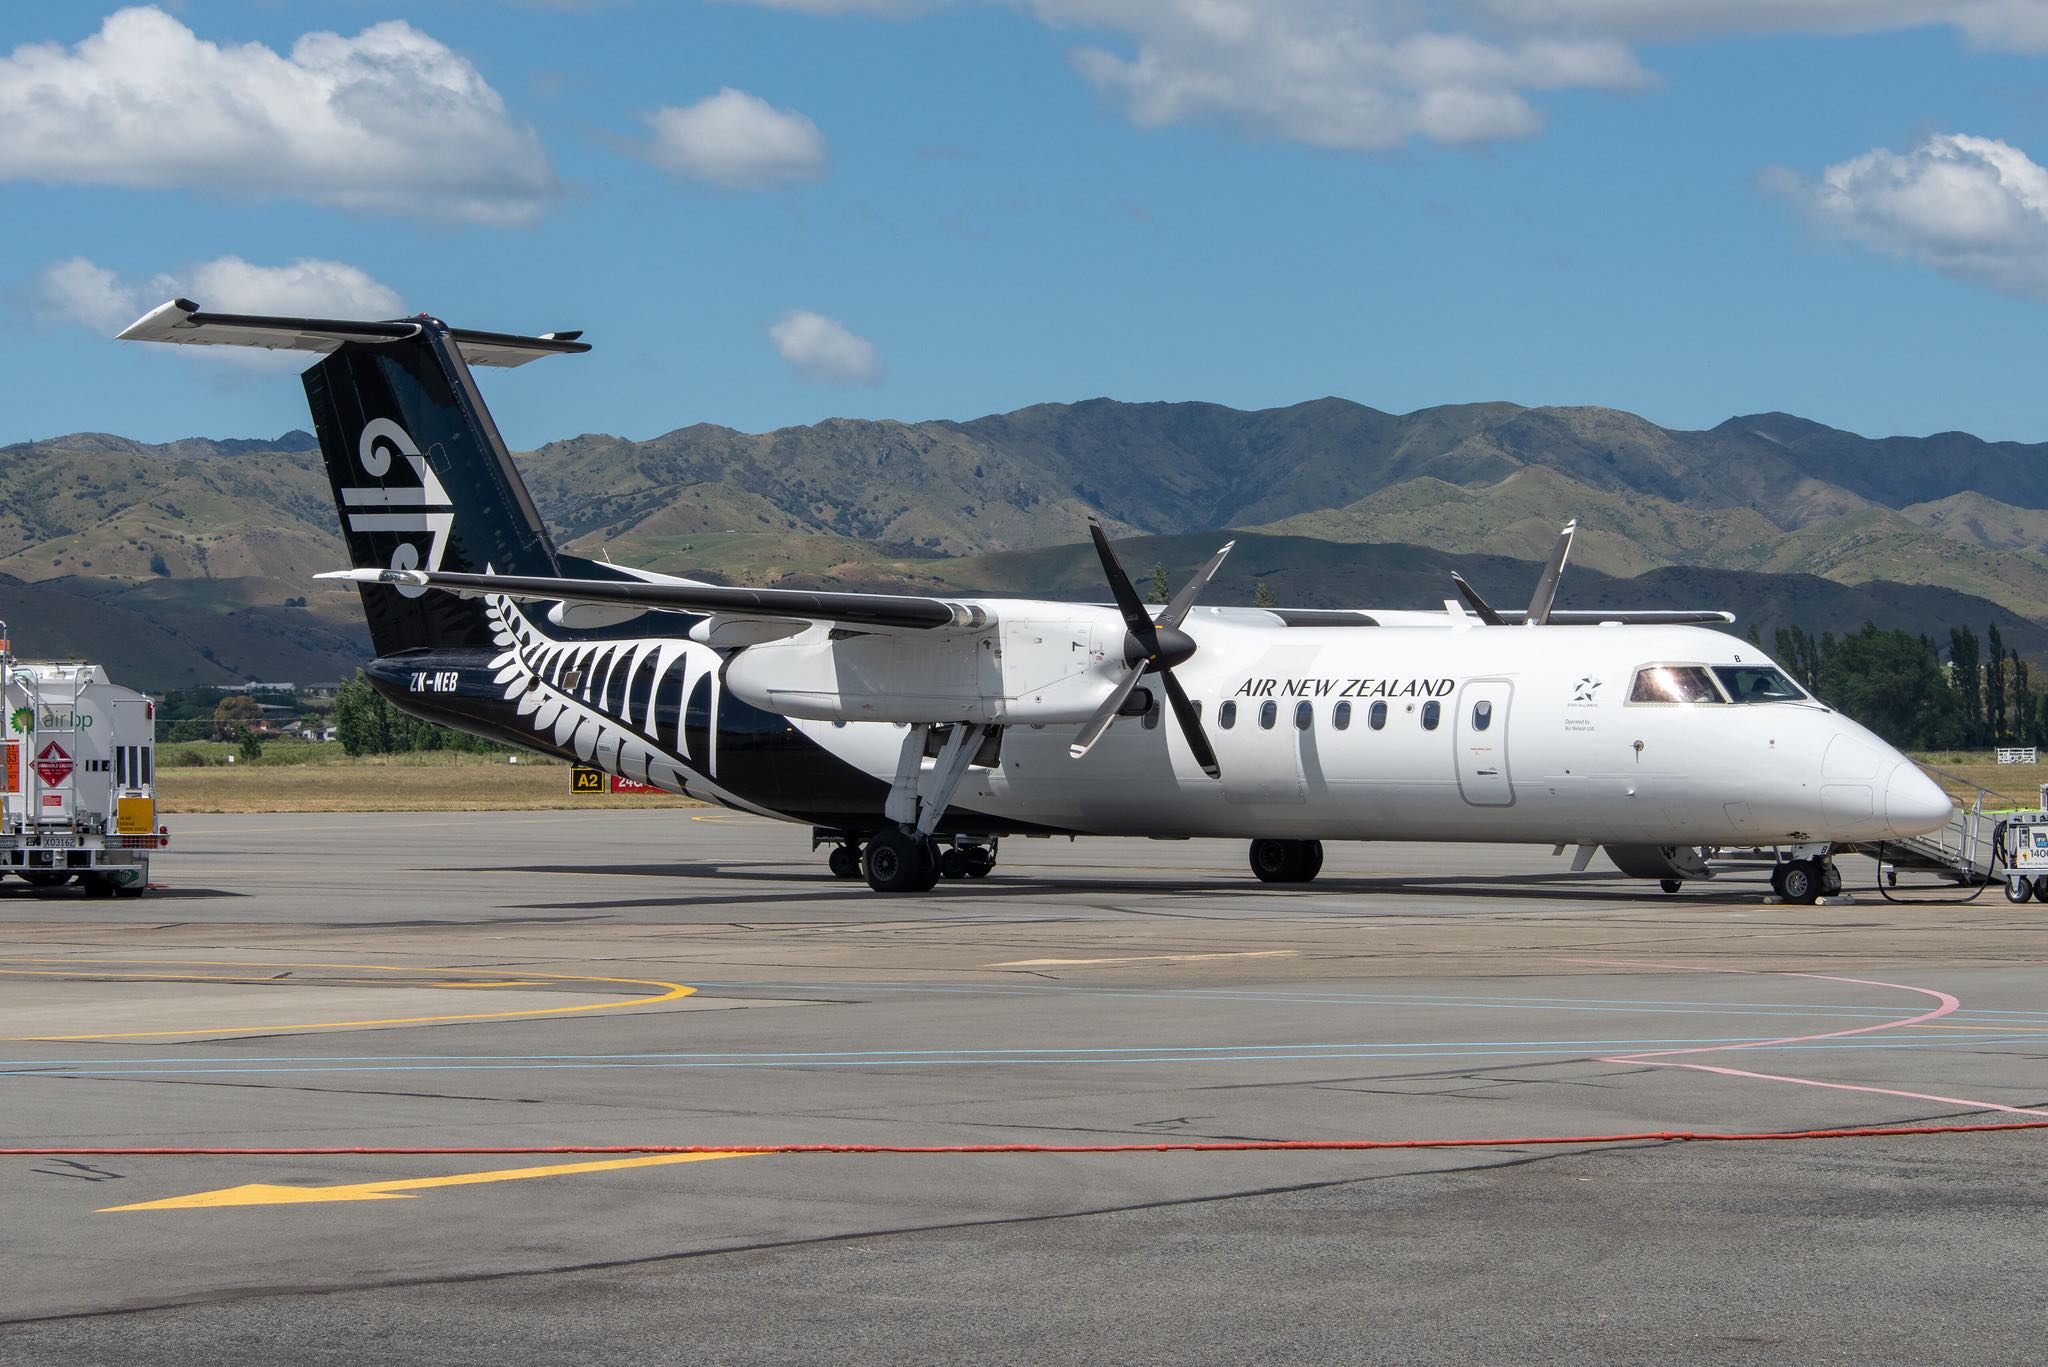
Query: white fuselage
x,y
1563,756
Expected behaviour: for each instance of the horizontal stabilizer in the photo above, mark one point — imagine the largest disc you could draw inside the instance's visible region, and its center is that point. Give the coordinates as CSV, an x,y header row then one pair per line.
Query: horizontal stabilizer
x,y
182,321
902,612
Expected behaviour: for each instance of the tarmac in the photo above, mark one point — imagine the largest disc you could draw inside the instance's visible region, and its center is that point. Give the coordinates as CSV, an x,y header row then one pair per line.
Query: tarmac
x,y
594,978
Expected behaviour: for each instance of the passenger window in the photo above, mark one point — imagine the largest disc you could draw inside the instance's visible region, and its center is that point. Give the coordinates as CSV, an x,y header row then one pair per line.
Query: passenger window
x,y
1226,715
1269,712
1432,713
1304,715
1340,716
1674,684
1376,716
1482,715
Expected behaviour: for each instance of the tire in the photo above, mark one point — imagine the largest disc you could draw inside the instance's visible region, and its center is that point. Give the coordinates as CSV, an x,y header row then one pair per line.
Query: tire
x,y
981,862
1272,860
927,865
2018,890
2041,888
845,861
952,864
1799,881
1286,861
97,888
893,862
1830,880
1671,885
133,890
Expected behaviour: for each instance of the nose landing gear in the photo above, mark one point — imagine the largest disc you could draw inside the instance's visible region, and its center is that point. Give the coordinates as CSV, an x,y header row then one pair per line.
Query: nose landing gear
x,y
1805,881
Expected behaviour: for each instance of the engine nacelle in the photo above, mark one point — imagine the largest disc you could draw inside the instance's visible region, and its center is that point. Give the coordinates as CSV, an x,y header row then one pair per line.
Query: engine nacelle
x,y
1028,672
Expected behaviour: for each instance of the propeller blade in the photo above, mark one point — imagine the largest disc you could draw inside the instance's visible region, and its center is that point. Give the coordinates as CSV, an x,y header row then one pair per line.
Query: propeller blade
x,y
1546,587
1184,601
1190,724
1137,618
1479,605
1105,714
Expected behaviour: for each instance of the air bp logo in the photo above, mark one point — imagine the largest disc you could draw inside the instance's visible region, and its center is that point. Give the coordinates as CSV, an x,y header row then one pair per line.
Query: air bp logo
x,y
24,721
417,509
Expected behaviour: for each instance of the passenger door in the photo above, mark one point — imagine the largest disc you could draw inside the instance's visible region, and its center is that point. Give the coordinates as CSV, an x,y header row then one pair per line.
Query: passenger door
x,y
1482,741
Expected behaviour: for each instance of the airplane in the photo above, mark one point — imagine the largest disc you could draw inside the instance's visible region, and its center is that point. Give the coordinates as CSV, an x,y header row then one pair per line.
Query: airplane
x,y
913,733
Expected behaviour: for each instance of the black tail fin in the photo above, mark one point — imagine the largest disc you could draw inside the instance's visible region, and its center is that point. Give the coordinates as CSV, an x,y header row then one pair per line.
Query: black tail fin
x,y
422,481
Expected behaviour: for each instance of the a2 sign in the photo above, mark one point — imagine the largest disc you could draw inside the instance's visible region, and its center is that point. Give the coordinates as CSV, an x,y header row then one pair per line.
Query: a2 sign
x,y
585,781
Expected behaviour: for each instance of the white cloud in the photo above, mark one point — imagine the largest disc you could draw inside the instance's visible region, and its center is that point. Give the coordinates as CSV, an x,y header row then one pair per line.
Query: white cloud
x,y
389,121
822,351
2016,24
736,139
78,291
1975,208
1357,75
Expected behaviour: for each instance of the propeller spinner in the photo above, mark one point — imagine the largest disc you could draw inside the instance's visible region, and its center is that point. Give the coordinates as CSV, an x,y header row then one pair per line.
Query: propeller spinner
x,y
1152,647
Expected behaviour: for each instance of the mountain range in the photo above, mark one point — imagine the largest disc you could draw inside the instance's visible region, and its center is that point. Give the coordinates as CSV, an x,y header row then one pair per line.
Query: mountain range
x,y
198,554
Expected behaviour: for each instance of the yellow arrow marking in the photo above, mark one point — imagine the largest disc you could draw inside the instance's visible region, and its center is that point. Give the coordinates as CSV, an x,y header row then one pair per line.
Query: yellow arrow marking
x,y
261,1194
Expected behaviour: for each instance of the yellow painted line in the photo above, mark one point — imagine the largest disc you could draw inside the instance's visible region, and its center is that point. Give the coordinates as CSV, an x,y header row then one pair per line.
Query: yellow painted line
x,y
262,1194
1147,959
671,992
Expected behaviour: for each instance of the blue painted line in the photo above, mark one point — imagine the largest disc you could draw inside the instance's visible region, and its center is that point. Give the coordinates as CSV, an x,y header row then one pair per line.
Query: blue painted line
x,y
954,1062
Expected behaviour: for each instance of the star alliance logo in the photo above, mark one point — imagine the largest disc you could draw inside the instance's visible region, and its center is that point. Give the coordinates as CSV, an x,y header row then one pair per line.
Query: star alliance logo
x,y
1585,688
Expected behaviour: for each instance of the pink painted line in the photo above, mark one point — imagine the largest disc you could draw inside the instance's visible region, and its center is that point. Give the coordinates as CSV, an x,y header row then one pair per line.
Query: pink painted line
x,y
1945,1005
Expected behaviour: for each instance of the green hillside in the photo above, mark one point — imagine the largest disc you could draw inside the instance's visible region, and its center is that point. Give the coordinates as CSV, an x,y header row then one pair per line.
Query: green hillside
x,y
213,543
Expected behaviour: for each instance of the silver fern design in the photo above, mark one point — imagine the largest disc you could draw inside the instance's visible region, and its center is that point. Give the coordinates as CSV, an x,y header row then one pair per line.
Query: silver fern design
x,y
603,701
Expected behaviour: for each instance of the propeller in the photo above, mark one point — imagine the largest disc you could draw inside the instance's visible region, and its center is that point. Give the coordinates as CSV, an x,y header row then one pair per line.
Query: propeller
x,y
1541,601
1152,647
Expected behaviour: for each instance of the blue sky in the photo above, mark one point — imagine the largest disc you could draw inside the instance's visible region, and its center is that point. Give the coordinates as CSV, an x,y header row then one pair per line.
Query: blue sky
x,y
937,209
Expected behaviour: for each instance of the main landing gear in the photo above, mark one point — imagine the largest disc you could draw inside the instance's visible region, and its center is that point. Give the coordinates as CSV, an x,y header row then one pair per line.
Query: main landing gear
x,y
905,856
1287,861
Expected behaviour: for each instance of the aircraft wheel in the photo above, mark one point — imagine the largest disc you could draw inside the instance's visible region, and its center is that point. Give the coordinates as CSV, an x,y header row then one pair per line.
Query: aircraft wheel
x,y
981,861
845,861
1799,881
1830,879
1286,861
952,864
894,862
1671,885
2018,890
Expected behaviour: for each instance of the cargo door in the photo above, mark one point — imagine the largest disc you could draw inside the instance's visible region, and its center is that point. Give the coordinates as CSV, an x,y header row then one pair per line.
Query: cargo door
x,y
1482,740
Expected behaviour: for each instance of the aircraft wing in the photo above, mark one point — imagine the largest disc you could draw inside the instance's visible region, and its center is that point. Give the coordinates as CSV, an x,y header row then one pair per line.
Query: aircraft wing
x,y
1641,617
888,611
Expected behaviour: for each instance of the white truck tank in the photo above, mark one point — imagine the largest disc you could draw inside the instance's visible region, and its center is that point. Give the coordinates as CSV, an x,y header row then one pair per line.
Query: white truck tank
x,y
77,778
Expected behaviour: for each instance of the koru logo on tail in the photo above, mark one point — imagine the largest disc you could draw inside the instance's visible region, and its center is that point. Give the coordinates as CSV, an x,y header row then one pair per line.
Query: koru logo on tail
x,y
418,511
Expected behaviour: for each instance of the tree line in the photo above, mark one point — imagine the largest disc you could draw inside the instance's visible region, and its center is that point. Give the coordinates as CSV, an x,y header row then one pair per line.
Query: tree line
x,y
1898,685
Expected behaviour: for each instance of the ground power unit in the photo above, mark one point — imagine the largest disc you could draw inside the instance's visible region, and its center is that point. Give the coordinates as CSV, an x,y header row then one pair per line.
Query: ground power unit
x,y
77,778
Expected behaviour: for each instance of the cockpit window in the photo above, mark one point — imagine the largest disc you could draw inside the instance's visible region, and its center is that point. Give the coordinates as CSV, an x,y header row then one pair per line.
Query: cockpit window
x,y
1758,683
1674,684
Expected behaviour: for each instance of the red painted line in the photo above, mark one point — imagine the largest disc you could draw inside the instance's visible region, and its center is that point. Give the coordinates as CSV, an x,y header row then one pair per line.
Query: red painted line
x,y
1234,1146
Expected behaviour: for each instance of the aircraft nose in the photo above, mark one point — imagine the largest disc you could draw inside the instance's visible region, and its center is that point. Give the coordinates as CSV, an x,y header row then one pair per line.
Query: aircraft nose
x,y
1914,804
